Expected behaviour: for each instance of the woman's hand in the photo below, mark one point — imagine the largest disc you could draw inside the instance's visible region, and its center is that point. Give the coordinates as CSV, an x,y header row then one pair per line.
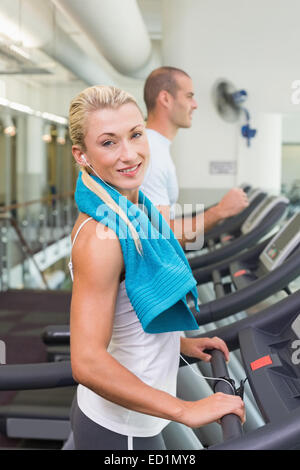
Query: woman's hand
x,y
210,409
213,408
194,347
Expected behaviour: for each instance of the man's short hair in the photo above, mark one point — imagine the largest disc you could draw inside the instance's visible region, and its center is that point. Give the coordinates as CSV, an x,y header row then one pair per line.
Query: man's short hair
x,y
163,78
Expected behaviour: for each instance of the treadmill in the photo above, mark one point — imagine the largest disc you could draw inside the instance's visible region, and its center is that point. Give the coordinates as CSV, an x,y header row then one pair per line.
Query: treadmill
x,y
255,274
252,194
253,283
246,187
265,217
232,225
259,284
40,408
7,418
269,344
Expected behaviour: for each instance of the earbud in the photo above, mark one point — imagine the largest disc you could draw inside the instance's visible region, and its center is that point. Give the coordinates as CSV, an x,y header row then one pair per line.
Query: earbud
x,y
83,159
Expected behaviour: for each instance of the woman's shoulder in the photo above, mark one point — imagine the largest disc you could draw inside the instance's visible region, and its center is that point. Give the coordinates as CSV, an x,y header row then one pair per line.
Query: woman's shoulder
x,y
95,242
91,228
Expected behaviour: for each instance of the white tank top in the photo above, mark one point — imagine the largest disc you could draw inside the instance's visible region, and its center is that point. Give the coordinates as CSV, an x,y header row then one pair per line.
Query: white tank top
x,y
154,358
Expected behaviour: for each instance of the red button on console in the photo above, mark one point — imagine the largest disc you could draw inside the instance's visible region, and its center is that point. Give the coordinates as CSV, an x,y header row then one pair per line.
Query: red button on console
x,y
240,273
261,362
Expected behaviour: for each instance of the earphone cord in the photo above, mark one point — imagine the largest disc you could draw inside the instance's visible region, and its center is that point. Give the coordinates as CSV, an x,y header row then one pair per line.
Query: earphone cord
x,y
95,172
209,378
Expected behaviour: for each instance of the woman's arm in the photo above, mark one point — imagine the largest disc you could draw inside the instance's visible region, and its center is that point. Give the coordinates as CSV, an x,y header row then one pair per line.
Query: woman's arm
x,y
98,264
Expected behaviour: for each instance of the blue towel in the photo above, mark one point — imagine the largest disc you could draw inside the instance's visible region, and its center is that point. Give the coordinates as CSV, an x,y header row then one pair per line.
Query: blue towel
x,y
158,280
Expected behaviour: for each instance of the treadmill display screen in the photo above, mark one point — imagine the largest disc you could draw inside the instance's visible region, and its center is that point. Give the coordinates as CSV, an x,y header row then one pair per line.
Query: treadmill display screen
x,y
284,238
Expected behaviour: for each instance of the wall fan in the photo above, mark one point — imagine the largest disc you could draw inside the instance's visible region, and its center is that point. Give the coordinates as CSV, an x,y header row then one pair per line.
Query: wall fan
x,y
228,102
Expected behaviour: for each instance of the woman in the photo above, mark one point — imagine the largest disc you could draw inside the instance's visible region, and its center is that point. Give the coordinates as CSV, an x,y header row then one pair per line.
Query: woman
x,y
125,341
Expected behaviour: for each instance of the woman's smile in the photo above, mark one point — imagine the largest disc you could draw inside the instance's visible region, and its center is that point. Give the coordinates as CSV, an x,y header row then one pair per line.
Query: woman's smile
x,y
130,171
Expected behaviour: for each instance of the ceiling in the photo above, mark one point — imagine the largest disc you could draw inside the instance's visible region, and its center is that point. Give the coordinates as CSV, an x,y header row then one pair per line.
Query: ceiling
x,y
35,66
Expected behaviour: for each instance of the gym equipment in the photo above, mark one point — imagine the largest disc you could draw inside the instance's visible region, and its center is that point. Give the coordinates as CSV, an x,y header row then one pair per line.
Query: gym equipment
x,y
64,423
266,216
269,343
232,225
270,346
41,409
257,274
254,197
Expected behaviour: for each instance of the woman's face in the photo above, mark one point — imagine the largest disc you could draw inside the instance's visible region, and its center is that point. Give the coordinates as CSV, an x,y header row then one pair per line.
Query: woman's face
x,y
117,146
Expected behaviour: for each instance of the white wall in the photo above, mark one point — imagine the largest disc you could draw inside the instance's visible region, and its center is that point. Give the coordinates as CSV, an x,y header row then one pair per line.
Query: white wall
x,y
253,44
291,128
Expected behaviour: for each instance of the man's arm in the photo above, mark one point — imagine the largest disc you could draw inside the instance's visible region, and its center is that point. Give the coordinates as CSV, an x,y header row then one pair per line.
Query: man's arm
x,y
231,204
188,229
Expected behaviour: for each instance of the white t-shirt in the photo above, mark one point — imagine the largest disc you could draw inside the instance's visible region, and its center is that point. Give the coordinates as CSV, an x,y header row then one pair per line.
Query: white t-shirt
x,y
160,184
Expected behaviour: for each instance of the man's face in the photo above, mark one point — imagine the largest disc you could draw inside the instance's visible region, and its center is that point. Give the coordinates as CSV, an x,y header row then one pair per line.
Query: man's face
x,y
184,103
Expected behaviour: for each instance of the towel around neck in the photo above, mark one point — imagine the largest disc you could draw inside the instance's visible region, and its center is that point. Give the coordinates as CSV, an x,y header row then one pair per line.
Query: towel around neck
x,y
158,280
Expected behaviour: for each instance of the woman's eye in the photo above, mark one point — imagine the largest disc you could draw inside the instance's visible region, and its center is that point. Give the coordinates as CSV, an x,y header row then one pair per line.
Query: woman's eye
x,y
136,135
107,143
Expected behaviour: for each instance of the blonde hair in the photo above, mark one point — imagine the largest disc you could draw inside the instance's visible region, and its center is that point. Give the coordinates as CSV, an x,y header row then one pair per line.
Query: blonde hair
x,y
89,100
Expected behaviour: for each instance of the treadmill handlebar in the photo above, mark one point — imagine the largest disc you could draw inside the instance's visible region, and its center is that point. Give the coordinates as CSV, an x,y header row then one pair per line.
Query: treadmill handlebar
x,y
272,315
234,223
280,435
56,334
242,242
203,275
231,423
36,376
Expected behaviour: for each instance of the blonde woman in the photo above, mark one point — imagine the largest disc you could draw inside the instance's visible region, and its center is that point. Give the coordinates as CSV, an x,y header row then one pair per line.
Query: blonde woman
x,y
128,302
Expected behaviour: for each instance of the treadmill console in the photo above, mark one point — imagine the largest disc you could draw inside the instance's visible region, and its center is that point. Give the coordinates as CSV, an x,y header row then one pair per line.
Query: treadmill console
x,y
282,244
261,211
253,193
271,356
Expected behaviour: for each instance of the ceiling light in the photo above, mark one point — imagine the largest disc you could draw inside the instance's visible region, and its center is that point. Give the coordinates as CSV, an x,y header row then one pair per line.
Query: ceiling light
x,y
61,136
9,127
47,134
55,118
21,107
26,109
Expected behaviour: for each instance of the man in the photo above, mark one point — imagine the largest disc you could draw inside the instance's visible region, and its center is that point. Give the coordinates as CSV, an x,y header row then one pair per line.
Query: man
x,y
170,102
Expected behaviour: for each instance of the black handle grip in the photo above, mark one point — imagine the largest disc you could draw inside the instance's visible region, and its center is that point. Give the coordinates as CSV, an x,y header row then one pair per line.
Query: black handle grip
x,y
231,423
36,376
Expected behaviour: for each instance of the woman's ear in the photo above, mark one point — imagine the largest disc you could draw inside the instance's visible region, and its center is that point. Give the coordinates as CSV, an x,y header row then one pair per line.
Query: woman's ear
x,y
79,155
